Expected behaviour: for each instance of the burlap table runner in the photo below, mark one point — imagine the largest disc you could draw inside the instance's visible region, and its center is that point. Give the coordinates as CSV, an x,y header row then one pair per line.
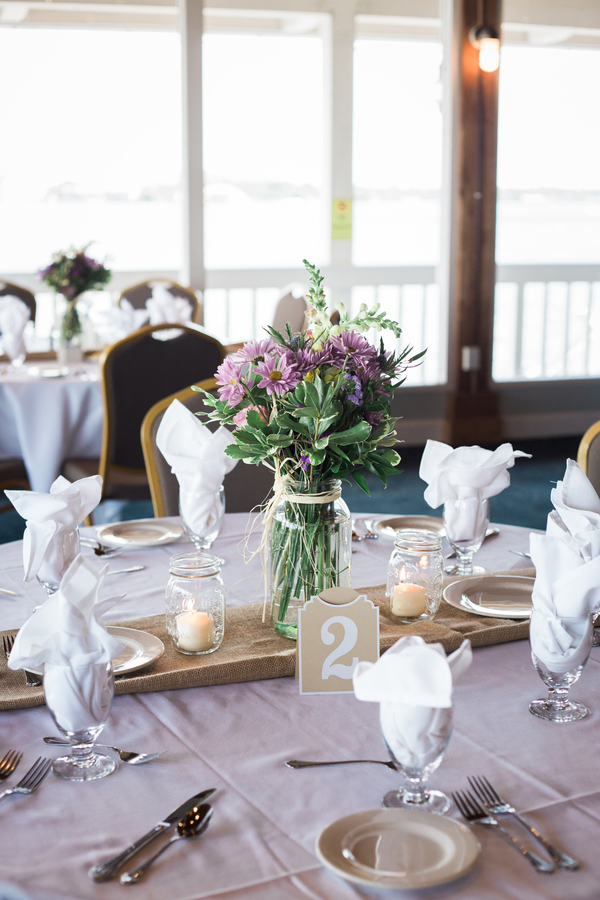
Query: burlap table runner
x,y
252,651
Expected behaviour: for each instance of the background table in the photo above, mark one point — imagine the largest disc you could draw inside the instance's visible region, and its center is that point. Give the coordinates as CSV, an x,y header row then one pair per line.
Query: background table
x,y
260,845
47,420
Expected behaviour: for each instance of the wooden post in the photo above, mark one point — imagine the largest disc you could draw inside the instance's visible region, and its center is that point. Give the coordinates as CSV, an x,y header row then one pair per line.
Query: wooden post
x,y
472,415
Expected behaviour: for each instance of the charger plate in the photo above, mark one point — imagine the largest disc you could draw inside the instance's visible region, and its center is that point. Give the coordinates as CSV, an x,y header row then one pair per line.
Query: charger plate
x,y
389,527
140,648
56,372
139,533
494,596
397,848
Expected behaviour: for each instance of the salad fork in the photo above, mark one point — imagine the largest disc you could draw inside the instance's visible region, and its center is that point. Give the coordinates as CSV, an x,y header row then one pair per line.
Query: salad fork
x,y
9,763
470,809
32,779
492,800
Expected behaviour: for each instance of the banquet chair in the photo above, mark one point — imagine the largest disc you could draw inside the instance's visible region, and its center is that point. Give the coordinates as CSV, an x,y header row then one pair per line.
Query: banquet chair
x,y
245,488
290,310
588,455
13,476
139,293
135,373
15,290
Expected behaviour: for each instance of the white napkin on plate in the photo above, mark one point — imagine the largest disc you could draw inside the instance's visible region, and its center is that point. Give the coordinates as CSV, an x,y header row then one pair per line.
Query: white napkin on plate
x,y
49,515
164,307
412,682
567,584
66,637
14,316
196,456
465,474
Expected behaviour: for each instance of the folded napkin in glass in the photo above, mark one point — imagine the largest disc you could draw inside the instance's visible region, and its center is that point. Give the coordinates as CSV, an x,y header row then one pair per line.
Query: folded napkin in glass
x,y
197,457
66,637
567,561
463,474
412,682
49,517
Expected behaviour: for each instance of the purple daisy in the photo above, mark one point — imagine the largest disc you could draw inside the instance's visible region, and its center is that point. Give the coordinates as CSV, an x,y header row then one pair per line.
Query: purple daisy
x,y
255,351
352,346
278,375
228,377
308,360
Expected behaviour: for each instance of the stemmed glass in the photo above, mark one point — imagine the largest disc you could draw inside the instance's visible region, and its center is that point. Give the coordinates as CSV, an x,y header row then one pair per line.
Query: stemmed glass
x,y
203,537
559,674
60,553
79,699
466,522
416,738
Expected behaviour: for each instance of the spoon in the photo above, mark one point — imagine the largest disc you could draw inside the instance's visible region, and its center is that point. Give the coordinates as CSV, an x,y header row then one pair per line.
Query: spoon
x,y
127,756
192,825
521,553
303,764
123,571
8,593
98,548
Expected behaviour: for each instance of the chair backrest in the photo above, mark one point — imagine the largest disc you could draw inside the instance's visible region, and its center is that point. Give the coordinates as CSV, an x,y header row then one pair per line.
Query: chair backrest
x,y
245,487
7,287
140,370
588,455
290,309
139,293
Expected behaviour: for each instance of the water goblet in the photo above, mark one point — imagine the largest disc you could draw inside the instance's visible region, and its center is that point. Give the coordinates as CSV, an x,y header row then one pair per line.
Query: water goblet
x,y
560,672
416,738
60,553
79,699
205,530
466,522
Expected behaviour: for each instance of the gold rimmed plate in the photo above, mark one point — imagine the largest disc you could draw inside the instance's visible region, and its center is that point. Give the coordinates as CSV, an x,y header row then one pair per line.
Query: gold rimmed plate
x,y
389,527
495,596
139,533
397,848
140,649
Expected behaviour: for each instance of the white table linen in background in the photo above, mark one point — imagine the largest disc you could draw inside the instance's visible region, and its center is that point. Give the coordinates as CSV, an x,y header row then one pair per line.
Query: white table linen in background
x,y
47,420
260,845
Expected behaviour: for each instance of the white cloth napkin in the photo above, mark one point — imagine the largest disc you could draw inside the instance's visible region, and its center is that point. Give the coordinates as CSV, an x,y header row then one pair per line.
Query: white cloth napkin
x,y
567,584
196,456
462,475
14,316
66,637
164,307
50,515
412,682
121,320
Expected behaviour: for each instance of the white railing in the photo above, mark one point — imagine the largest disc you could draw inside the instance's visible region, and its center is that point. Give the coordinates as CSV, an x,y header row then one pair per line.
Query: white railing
x,y
547,322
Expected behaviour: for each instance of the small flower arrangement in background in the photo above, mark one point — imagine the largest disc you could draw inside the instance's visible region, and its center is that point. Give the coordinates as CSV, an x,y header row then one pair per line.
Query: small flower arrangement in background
x,y
71,273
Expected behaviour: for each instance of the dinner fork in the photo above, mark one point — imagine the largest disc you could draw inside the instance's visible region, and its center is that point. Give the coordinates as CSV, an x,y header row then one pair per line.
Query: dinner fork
x,y
473,812
32,779
31,680
98,548
9,763
492,800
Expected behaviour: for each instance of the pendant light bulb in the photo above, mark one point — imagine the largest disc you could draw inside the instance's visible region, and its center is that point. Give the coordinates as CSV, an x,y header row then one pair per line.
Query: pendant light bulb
x,y
487,42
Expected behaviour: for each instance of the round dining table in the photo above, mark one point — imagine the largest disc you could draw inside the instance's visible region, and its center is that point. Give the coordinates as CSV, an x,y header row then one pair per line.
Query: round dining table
x,y
260,844
49,413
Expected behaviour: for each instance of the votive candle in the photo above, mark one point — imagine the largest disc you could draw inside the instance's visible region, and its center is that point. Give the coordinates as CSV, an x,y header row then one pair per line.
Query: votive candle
x,y
195,631
408,599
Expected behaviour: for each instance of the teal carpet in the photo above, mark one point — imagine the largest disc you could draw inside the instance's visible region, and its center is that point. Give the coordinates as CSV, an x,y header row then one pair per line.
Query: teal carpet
x,y
526,502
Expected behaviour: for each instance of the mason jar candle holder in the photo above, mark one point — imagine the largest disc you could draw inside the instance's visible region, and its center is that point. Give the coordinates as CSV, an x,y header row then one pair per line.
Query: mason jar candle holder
x,y
415,575
195,603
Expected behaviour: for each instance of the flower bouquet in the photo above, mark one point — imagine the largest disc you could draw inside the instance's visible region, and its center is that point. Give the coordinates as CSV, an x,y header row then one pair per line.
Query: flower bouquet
x,y
316,408
71,273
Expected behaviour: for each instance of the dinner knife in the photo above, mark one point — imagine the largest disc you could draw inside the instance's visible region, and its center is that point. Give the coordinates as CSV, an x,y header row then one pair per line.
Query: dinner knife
x,y
8,593
106,871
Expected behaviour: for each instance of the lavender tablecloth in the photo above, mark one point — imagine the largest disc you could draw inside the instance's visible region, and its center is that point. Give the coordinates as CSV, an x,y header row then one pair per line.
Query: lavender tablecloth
x,y
236,737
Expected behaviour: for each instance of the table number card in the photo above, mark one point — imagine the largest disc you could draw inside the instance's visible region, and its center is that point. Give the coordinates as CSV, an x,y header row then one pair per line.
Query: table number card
x,y
336,630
